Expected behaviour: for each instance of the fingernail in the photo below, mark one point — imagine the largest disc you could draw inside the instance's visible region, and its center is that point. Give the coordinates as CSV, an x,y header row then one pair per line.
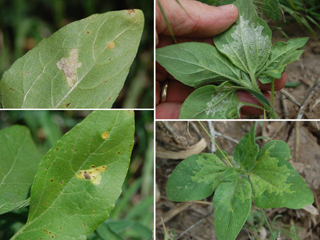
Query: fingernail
x,y
227,7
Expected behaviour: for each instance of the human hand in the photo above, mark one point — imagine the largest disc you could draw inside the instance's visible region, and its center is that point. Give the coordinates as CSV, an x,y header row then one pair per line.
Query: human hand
x,y
200,24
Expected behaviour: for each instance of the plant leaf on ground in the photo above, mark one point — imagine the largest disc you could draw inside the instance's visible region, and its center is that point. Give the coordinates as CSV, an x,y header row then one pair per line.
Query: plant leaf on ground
x,y
232,202
83,65
80,178
195,178
264,176
16,148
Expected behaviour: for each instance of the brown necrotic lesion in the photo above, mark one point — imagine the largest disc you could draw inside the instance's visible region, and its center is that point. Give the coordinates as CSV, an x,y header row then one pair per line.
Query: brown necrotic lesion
x,y
93,174
69,67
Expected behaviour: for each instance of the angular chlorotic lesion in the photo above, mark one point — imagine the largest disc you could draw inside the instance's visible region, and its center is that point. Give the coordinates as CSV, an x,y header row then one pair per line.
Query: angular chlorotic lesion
x,y
69,67
93,174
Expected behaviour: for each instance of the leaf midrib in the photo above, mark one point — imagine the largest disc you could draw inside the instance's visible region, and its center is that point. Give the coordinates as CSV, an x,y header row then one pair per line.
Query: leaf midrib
x,y
49,207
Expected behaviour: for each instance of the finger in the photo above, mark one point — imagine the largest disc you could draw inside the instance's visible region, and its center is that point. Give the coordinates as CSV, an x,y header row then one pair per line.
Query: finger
x,y
247,97
201,20
158,89
178,92
165,40
161,73
278,83
168,110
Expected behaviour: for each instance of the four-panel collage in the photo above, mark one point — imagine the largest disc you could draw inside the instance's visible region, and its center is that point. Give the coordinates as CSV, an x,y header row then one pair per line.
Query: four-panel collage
x,y
160,119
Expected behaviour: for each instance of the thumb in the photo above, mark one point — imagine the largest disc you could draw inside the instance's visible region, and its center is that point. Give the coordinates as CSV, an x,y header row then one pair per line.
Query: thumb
x,y
194,19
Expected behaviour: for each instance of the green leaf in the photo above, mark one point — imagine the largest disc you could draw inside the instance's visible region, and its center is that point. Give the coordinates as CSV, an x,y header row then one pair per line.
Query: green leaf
x,y
130,229
248,42
222,154
232,202
196,64
107,233
83,65
80,178
19,159
275,149
195,178
265,79
231,174
281,55
272,9
211,102
246,151
275,183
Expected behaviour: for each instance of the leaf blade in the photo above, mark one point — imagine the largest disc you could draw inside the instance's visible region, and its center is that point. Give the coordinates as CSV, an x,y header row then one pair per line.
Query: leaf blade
x,y
211,102
276,183
16,149
281,55
248,42
195,178
232,202
196,64
246,151
71,66
275,149
66,205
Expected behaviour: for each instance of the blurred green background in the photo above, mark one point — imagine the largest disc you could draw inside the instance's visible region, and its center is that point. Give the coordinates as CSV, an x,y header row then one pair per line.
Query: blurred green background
x,y
23,23
132,217
305,13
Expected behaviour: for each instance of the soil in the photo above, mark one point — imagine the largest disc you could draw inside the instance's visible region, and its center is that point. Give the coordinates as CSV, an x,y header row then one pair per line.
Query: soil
x,y
174,218
306,71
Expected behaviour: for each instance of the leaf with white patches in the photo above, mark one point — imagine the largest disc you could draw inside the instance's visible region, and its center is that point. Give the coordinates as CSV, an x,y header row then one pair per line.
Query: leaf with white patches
x,y
248,42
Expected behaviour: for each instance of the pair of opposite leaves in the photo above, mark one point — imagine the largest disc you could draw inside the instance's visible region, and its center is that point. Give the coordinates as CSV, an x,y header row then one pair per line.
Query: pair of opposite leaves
x,y
241,55
83,65
264,176
76,184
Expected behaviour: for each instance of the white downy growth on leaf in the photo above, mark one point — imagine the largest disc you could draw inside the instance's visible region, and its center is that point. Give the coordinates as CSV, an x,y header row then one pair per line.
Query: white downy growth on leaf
x,y
252,48
69,67
216,104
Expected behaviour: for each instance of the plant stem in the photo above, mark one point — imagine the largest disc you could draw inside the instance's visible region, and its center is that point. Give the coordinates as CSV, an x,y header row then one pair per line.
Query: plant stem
x,y
253,105
254,82
272,92
217,146
266,219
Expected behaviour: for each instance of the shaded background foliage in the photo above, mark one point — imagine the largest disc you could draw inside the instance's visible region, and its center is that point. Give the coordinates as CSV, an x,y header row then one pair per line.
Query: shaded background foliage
x,y
305,13
132,217
24,23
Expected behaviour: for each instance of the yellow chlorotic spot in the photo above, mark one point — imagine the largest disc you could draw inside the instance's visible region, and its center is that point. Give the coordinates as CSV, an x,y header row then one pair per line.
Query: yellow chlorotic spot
x,y
111,45
93,174
105,135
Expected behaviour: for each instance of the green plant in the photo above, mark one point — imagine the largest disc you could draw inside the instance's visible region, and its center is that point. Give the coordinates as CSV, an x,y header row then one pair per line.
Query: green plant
x,y
83,65
76,183
263,176
242,55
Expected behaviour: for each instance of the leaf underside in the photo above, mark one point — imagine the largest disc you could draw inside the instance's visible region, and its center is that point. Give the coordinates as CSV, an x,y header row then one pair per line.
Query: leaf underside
x,y
211,102
241,55
248,42
83,65
66,206
18,157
